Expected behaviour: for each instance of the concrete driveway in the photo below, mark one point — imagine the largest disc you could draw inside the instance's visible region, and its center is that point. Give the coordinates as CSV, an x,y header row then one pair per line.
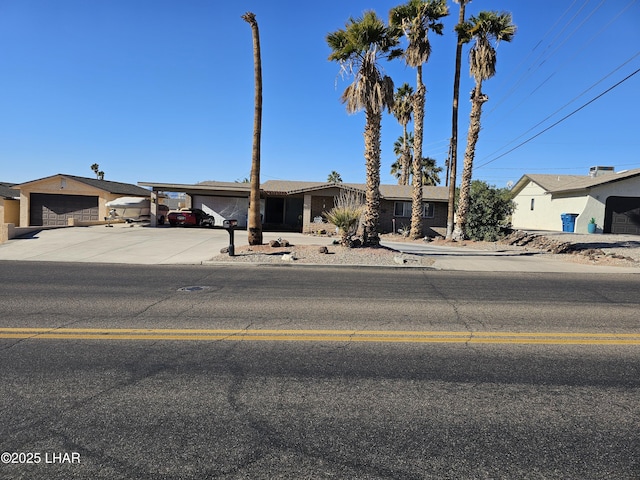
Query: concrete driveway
x,y
135,244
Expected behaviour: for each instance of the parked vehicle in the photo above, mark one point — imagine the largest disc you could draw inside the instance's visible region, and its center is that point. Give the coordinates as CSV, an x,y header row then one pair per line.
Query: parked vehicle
x,y
129,209
190,216
162,213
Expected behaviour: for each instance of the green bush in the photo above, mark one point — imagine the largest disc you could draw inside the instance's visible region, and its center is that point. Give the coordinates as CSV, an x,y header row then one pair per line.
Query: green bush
x,y
490,211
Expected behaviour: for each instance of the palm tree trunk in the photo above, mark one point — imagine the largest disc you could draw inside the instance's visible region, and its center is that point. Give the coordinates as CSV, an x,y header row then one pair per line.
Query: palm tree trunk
x,y
406,158
453,160
477,99
418,126
372,162
254,226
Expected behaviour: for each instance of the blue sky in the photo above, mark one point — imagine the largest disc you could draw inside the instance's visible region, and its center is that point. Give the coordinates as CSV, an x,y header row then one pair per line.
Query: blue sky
x,y
162,90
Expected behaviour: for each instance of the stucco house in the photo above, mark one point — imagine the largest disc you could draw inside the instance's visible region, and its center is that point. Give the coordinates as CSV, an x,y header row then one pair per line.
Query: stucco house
x,y
611,198
61,199
298,206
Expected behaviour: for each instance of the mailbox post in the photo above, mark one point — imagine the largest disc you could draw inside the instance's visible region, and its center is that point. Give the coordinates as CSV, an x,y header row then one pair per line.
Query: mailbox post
x,y
230,226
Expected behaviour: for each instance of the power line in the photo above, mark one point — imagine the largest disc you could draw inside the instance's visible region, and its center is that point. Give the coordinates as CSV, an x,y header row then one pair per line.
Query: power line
x,y
561,120
570,102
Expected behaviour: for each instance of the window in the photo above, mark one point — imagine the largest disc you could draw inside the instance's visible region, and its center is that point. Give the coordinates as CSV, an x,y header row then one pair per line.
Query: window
x,y
403,209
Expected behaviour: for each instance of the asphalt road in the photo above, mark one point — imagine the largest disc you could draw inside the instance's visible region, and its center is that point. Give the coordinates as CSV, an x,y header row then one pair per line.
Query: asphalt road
x,y
120,392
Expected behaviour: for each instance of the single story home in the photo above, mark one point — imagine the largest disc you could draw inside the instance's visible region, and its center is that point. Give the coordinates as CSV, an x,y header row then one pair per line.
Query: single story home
x,y
299,206
611,198
60,199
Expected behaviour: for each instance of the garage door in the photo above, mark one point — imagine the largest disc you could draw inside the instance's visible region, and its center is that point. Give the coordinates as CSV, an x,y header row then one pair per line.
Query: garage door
x,y
223,208
622,215
50,209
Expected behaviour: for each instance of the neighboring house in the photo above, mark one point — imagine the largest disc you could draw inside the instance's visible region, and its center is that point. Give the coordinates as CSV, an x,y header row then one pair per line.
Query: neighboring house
x,y
298,206
611,198
59,199
9,204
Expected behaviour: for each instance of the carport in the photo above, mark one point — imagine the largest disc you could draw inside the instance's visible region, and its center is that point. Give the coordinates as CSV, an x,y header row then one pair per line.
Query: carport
x,y
222,200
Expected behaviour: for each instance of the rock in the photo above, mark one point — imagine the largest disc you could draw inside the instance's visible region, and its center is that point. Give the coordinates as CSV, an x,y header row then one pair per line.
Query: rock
x,y
289,257
323,250
224,250
274,243
400,260
283,242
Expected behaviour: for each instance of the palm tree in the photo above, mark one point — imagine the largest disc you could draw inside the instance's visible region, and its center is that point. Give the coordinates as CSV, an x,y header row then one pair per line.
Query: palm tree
x,y
416,18
334,177
403,149
402,110
453,157
484,28
429,171
254,221
358,48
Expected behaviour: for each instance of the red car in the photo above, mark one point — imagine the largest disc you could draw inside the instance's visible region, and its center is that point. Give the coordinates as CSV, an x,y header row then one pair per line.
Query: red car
x,y
190,216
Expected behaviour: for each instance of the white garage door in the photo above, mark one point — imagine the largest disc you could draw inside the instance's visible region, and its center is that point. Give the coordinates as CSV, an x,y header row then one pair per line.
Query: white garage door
x,y
223,208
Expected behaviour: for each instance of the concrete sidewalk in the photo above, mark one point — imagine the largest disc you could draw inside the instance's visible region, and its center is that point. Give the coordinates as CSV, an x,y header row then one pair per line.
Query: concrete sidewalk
x,y
137,244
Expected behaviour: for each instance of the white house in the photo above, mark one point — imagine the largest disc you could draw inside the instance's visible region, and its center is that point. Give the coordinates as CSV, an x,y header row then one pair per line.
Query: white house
x,y
611,198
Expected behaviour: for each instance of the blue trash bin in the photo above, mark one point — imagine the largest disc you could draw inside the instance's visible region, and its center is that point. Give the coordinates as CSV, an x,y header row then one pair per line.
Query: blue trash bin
x,y
569,222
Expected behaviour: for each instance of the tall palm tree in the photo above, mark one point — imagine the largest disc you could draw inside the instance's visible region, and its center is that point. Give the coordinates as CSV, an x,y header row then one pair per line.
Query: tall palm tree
x,y
483,29
402,110
416,18
403,149
358,48
453,157
254,221
429,172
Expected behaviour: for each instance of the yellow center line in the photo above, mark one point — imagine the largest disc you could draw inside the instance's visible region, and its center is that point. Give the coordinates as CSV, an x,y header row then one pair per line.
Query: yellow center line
x,y
384,336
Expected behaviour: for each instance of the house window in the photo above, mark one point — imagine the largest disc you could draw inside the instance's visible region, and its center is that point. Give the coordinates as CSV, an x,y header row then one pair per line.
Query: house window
x,y
403,209
533,201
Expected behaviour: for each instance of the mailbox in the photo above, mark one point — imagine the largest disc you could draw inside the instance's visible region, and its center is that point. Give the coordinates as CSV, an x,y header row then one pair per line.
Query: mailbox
x,y
229,226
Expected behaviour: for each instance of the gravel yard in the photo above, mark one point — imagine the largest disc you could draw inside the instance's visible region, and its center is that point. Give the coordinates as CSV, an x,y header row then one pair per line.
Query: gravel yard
x,y
622,250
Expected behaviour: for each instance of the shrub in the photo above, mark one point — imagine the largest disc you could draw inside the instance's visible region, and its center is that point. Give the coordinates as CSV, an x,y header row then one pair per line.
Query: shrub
x,y
489,212
345,215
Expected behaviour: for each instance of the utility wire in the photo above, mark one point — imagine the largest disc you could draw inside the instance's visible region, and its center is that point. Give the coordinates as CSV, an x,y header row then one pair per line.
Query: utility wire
x,y
568,103
561,120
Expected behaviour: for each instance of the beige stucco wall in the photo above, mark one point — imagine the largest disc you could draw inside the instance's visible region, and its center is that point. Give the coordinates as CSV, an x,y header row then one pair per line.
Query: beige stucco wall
x,y
547,209
11,211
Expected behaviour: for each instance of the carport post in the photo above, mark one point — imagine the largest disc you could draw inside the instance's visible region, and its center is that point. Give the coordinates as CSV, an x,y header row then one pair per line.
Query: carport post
x,y
230,226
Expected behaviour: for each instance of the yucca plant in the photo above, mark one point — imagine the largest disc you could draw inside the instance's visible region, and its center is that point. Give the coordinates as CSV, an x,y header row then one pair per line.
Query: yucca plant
x,y
345,215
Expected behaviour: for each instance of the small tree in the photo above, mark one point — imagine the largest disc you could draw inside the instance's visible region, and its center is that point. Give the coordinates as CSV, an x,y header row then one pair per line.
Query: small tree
x,y
490,209
345,215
